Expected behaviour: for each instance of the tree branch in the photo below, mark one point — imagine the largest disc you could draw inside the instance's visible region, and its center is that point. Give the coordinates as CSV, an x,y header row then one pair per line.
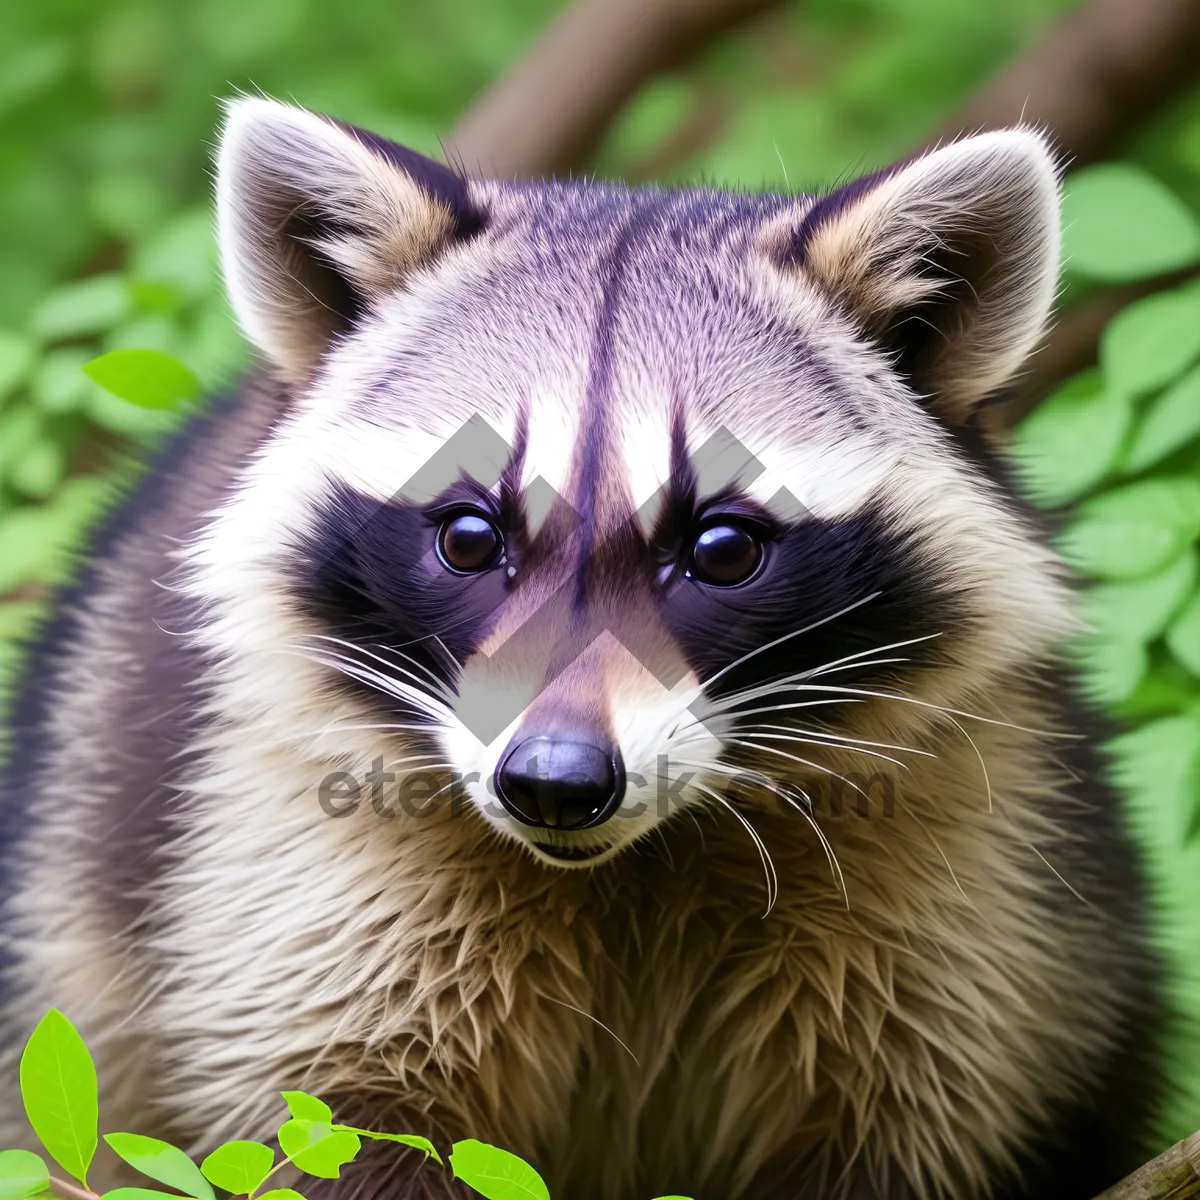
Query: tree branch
x,y
1101,71
549,112
1173,1175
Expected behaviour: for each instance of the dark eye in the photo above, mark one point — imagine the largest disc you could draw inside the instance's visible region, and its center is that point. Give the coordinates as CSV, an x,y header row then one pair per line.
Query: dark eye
x,y
468,542
725,555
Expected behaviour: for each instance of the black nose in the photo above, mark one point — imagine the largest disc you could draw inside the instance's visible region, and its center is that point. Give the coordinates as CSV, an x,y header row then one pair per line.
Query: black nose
x,y
560,784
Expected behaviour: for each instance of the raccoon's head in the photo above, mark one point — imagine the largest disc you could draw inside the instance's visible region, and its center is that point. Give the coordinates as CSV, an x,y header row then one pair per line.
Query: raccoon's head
x,y
595,498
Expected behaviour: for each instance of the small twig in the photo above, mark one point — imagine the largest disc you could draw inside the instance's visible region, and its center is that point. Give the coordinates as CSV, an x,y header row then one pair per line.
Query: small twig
x,y
70,1191
1173,1175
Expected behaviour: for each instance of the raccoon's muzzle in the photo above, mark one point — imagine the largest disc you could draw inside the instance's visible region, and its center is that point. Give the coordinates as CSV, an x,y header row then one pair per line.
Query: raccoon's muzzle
x,y
555,783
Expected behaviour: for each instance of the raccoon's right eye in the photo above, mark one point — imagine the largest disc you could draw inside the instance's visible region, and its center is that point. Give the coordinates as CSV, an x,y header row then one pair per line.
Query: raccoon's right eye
x,y
469,542
726,555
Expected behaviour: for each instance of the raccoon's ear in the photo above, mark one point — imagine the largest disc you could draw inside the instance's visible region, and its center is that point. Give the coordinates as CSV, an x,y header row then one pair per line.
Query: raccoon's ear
x,y
949,260
316,219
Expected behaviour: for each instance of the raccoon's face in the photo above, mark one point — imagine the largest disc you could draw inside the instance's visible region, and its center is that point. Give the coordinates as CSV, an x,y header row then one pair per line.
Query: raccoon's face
x,y
593,502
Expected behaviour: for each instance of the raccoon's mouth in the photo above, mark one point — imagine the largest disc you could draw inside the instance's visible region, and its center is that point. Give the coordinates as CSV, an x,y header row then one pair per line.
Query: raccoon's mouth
x,y
571,853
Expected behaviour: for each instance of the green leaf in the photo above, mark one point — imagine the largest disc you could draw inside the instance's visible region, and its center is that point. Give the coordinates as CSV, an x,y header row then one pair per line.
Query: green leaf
x,y
20,428
495,1173
78,309
126,204
182,254
58,1086
161,1161
405,1139
216,347
1160,693
1139,610
147,331
238,1167
155,298
1068,443
300,1133
280,1194
59,384
1120,224
1183,637
1134,530
35,539
1188,146
17,356
672,1198
1151,342
39,470
316,1148
132,420
1171,421
27,277
148,378
30,70
30,548
22,1174
1154,765
1110,668
308,1108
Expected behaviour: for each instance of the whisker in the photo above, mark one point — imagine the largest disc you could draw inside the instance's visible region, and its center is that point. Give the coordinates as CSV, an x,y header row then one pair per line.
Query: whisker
x,y
385,684
837,662
1062,880
804,762
958,712
770,785
794,683
987,783
859,659
580,1011
721,712
444,788
835,867
423,759
737,662
779,737
763,853
442,690
938,847
837,738
366,728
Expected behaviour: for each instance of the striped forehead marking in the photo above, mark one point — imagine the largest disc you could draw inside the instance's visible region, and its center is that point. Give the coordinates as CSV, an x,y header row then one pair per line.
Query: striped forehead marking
x,y
598,459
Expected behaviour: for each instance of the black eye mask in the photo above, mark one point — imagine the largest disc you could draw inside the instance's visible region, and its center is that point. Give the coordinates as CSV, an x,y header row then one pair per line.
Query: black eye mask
x,y
851,585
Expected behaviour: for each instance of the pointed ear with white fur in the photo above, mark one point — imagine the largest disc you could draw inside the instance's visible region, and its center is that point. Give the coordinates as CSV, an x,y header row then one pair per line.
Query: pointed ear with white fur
x,y
316,220
950,261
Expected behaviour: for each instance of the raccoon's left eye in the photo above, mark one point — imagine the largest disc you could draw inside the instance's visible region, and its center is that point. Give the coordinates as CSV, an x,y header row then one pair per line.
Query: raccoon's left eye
x,y
726,555
468,543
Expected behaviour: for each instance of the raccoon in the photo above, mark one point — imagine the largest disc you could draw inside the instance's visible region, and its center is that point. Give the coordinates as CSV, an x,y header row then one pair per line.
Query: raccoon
x,y
595,689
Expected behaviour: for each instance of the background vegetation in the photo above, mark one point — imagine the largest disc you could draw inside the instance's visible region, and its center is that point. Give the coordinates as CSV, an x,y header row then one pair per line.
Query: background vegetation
x,y
107,113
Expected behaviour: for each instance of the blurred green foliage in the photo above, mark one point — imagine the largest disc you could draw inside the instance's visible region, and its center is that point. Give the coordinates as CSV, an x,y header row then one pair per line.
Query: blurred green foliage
x,y
107,113
1119,447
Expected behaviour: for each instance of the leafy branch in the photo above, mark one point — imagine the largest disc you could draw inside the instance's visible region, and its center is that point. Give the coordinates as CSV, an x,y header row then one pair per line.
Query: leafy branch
x,y
60,1093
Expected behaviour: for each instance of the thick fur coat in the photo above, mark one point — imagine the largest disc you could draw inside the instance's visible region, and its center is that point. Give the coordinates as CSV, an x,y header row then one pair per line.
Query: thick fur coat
x,y
864,923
